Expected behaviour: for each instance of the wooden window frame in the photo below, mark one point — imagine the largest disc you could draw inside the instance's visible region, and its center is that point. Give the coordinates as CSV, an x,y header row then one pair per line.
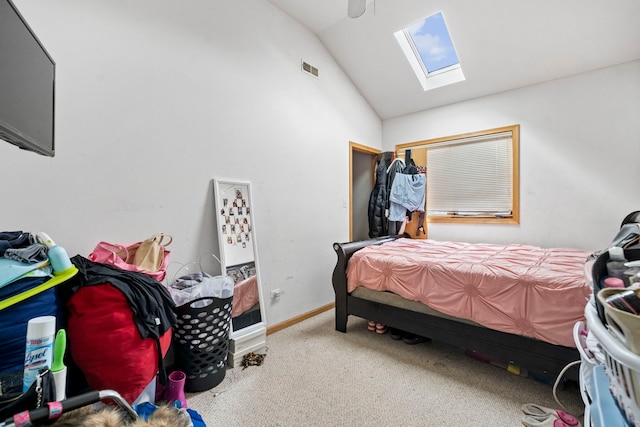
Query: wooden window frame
x,y
515,140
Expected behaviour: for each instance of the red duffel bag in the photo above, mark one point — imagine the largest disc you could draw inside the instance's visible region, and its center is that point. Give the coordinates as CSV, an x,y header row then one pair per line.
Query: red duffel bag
x,y
119,327
105,343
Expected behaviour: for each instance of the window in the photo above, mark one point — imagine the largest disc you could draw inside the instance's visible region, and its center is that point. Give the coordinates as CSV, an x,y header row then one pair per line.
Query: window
x,y
430,52
472,177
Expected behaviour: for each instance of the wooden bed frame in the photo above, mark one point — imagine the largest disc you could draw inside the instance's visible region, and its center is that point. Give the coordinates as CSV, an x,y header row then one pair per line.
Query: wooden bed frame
x,y
529,353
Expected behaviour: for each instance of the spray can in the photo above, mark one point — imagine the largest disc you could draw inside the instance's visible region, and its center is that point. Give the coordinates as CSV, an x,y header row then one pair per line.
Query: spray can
x,y
39,349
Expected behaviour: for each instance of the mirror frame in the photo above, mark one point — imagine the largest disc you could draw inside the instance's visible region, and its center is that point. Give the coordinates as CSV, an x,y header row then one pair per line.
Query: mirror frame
x,y
228,187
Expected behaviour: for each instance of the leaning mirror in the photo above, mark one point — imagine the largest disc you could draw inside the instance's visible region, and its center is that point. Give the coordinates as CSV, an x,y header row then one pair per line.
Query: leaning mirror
x,y
239,257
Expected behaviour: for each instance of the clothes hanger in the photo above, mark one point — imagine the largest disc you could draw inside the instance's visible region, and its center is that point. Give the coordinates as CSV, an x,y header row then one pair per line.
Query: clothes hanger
x,y
397,159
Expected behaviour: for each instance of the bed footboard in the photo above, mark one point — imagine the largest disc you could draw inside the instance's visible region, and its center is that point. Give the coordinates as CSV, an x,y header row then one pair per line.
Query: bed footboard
x,y
344,252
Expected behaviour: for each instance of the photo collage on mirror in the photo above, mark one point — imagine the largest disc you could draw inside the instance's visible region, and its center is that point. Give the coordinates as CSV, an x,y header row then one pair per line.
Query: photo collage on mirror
x,y
235,224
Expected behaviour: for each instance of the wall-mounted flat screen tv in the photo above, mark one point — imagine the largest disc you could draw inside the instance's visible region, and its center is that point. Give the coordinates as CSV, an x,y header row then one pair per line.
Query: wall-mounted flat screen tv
x,y
27,85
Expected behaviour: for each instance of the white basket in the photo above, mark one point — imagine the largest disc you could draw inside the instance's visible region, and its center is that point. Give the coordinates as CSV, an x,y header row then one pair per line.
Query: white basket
x,y
622,367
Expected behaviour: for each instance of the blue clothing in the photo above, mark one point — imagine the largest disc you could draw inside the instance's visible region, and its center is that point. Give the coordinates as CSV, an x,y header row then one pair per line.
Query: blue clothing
x,y
408,193
196,418
12,270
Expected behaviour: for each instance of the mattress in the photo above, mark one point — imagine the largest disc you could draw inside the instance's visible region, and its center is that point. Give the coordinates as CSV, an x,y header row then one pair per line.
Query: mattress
x,y
519,289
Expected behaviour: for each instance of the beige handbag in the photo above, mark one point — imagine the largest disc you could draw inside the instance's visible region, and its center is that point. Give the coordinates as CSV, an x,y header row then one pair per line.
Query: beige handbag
x,y
152,252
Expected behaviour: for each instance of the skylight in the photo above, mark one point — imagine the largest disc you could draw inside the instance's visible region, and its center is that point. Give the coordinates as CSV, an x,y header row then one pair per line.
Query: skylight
x,y
430,52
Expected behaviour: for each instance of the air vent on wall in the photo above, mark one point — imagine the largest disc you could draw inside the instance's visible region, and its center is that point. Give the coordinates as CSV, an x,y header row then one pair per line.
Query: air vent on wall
x,y
309,69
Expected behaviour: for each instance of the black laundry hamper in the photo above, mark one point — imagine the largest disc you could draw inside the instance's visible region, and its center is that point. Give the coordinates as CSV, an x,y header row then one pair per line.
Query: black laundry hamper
x,y
201,341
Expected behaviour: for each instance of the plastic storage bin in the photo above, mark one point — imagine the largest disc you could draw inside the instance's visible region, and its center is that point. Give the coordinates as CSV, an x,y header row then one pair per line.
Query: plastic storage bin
x,y
605,410
622,368
201,341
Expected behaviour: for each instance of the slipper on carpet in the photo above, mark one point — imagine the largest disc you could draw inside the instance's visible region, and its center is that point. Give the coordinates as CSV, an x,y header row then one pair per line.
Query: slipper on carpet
x,y
540,411
545,421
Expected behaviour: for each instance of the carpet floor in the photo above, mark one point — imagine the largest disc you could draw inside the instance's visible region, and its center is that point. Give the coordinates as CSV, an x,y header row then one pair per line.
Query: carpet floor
x,y
313,375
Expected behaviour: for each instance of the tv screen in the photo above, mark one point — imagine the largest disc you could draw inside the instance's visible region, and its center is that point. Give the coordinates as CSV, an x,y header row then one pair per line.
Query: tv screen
x,y
27,85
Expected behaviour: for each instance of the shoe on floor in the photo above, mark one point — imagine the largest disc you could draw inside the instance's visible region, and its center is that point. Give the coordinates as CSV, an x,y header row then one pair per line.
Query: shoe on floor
x,y
396,334
548,421
539,411
412,339
380,328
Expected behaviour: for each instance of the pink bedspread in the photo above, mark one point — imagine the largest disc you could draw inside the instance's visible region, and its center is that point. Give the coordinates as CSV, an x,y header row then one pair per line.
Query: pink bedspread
x,y
245,295
519,289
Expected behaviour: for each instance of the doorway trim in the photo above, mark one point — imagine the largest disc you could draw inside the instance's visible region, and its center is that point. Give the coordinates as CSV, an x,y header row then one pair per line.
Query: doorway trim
x,y
373,152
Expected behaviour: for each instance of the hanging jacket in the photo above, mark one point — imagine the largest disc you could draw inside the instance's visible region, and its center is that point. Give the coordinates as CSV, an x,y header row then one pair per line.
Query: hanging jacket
x,y
396,167
378,222
410,168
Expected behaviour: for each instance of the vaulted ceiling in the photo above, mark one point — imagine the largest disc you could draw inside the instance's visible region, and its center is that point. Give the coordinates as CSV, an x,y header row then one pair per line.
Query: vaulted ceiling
x,y
501,44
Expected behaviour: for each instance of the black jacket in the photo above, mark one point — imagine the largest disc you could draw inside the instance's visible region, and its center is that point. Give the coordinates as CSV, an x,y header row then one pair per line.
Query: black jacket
x,y
379,198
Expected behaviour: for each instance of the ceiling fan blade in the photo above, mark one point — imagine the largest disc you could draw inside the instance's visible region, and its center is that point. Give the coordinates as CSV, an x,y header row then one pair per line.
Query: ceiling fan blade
x,y
356,8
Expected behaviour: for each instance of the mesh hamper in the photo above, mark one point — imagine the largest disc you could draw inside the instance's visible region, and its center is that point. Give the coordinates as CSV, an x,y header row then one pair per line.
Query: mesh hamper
x,y
201,341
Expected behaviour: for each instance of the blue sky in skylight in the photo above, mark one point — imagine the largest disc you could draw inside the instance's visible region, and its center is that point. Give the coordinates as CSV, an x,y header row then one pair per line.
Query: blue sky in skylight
x,y
431,39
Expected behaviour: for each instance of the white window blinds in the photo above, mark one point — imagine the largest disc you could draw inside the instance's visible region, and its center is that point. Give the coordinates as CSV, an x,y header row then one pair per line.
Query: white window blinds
x,y
471,176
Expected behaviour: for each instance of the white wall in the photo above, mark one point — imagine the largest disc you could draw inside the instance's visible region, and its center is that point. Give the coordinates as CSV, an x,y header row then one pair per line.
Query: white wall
x,y
155,98
579,155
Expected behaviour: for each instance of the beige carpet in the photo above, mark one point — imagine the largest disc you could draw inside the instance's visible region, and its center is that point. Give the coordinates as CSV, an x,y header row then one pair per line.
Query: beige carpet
x,y
315,376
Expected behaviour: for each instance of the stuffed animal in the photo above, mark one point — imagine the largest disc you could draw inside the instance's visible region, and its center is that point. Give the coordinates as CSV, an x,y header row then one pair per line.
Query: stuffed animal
x,y
111,416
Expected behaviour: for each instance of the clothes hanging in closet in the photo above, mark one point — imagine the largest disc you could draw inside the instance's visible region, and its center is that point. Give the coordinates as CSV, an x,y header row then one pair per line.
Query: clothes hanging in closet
x,y
397,166
407,194
379,203
378,200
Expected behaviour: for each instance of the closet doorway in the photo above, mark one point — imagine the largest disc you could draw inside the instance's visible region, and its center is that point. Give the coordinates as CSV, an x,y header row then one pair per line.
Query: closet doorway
x,y
362,166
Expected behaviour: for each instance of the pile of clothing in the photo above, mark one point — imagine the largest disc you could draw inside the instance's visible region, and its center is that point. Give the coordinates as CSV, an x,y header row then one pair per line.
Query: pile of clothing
x,y
24,267
21,246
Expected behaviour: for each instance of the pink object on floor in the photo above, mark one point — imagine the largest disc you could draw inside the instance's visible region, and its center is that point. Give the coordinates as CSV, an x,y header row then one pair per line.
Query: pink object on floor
x,y
550,421
540,412
175,389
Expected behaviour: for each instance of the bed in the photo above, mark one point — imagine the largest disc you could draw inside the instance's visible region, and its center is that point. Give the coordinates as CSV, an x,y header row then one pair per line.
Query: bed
x,y
482,298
